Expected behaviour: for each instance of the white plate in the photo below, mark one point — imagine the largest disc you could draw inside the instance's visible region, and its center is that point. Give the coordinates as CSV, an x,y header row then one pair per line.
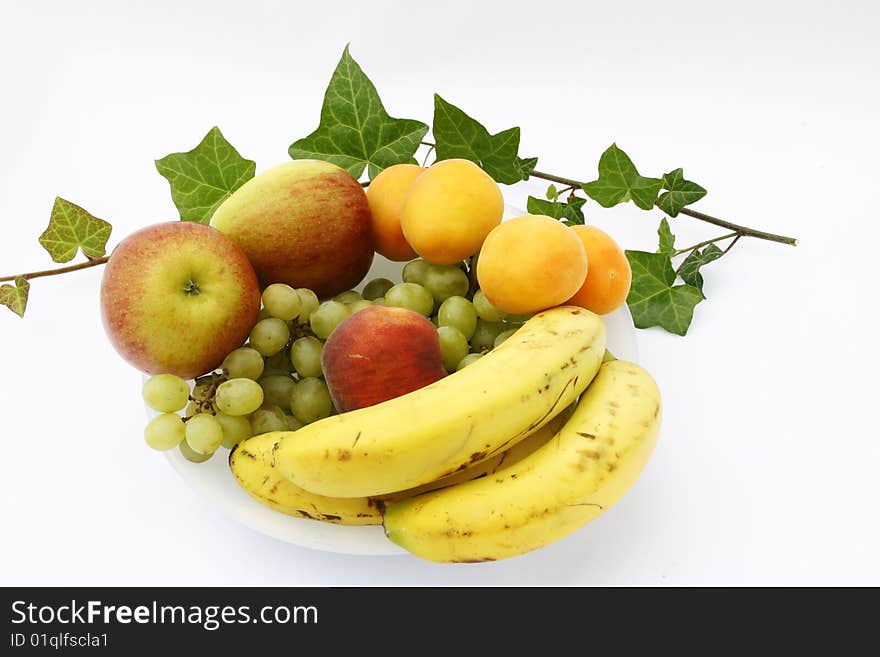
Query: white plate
x,y
213,481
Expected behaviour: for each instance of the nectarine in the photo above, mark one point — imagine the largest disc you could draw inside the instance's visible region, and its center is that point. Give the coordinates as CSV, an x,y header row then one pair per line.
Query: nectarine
x,y
380,353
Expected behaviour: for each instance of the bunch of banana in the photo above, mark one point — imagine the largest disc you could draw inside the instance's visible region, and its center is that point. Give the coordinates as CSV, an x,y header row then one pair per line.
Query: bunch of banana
x,y
457,421
578,474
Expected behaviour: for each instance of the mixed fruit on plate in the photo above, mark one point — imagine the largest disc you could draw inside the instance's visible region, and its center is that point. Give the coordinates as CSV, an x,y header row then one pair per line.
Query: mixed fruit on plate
x,y
471,408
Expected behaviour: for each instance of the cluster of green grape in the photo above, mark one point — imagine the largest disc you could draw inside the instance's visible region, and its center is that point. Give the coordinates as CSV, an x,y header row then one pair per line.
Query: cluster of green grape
x,y
275,381
468,325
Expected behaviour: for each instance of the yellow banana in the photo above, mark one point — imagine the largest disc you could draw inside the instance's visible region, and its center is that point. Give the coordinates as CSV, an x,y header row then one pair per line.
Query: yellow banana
x,y
491,465
573,478
459,420
251,463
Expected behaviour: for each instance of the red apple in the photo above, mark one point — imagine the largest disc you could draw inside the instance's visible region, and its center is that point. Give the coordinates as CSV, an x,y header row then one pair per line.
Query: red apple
x,y
177,297
305,223
379,353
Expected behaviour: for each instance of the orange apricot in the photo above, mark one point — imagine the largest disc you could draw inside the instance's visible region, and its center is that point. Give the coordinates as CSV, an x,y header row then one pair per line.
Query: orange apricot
x,y
531,263
449,210
607,283
385,196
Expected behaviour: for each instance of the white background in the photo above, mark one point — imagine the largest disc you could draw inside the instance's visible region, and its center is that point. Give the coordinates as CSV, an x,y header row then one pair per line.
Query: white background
x,y
768,466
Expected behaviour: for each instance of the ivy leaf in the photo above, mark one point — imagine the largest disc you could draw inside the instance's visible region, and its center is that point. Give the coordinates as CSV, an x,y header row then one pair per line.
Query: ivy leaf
x,y
72,228
619,181
569,212
201,179
526,166
459,135
680,193
15,297
653,300
552,193
355,130
690,268
667,239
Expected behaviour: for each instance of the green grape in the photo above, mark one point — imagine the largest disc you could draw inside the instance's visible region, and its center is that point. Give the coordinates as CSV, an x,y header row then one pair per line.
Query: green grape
x,y
204,433
310,400
444,281
412,296
165,431
459,313
191,409
278,363
166,393
485,309
244,362
192,455
263,314
305,354
484,335
414,271
359,305
235,429
308,303
377,288
501,337
269,336
277,389
453,345
292,423
467,360
348,297
281,301
238,396
268,418
327,317
379,301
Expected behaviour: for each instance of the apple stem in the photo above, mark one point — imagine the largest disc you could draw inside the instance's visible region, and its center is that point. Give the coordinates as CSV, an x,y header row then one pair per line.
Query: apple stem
x,y
92,262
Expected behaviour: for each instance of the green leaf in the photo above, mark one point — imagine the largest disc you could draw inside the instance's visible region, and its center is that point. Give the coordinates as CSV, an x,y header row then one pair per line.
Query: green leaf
x,y
680,193
570,213
552,193
667,239
201,179
690,268
355,130
459,135
619,181
525,166
15,297
72,228
653,300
